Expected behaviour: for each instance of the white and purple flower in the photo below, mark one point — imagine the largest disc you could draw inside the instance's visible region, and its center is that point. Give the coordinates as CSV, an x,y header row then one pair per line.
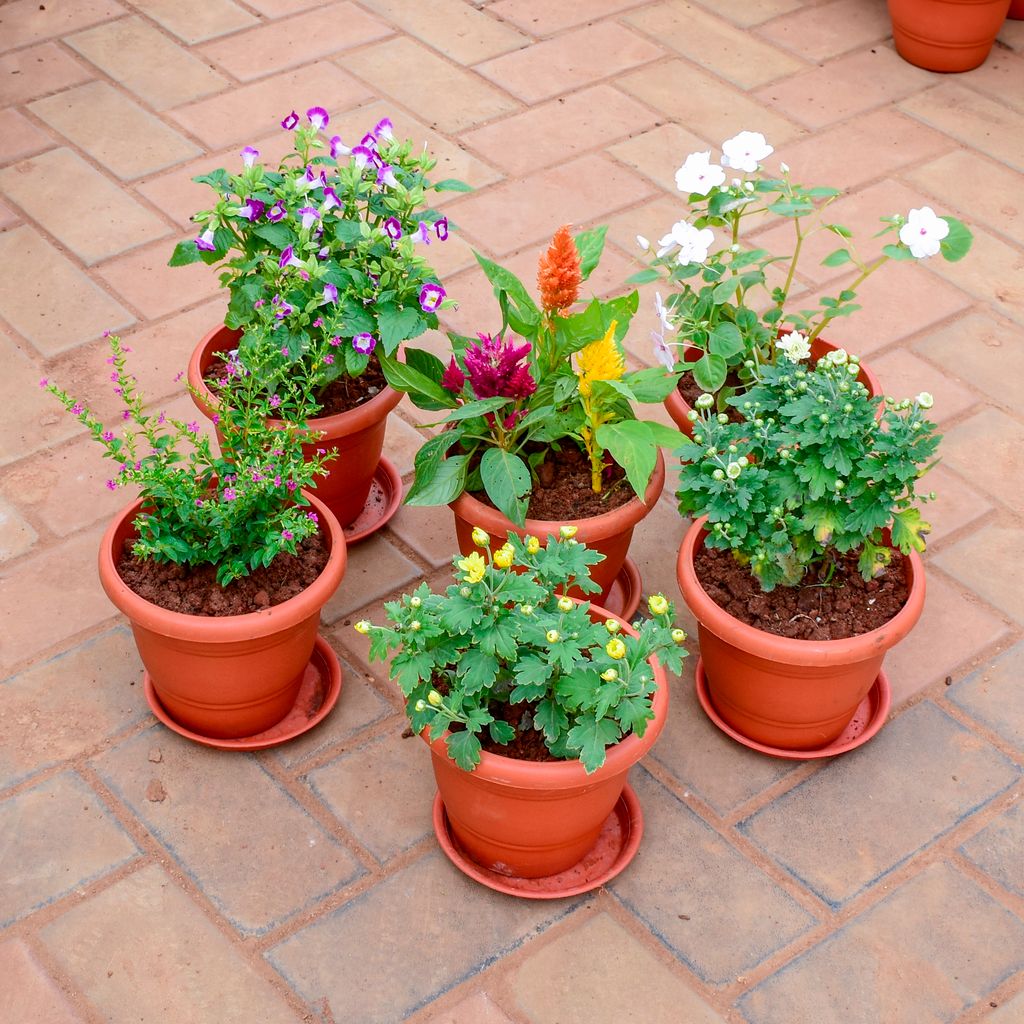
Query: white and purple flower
x,y
310,215
386,176
384,129
289,259
252,209
364,343
431,297
204,243
392,228
422,232
290,122
330,293
338,148
745,151
249,155
693,243
923,233
441,229
363,156
277,212
318,118
331,199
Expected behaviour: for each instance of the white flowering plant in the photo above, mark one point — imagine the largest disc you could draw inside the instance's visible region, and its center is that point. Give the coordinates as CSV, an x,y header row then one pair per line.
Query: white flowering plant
x,y
236,511
721,302
503,650
810,472
324,256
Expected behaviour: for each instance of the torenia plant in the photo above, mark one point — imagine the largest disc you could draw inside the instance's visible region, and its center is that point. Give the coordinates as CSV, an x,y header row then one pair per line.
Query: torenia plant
x,y
236,511
720,301
324,257
503,634
549,377
810,472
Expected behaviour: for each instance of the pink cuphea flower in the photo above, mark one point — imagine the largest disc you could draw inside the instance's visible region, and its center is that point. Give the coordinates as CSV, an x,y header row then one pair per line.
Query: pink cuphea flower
x,y
495,367
77,409
288,535
107,435
111,485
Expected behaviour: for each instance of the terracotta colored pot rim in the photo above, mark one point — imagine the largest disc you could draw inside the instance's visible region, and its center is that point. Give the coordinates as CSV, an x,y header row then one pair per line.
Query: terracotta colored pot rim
x,y
473,510
265,622
342,423
540,775
788,649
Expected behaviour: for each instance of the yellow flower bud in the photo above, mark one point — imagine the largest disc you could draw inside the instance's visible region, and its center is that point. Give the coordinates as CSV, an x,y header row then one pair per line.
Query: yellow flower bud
x,y
415,602
435,698
526,609
609,675
565,604
567,532
420,705
415,625
678,635
612,625
481,538
363,626
532,545
504,556
553,636
616,648
657,604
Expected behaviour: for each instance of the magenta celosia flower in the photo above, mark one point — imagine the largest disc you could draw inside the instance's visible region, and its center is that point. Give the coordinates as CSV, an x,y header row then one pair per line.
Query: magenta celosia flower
x,y
453,379
495,367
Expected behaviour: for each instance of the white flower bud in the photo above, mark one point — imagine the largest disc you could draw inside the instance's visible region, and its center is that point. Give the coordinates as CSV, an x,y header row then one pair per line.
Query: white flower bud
x,y
705,401
925,400
643,243
733,470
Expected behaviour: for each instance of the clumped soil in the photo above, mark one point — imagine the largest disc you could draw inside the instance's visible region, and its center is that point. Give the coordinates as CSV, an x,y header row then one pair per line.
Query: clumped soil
x,y
195,591
563,488
848,605
341,395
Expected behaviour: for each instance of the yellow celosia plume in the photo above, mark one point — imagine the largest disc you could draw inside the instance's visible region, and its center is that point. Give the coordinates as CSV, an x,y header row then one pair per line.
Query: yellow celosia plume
x,y
600,360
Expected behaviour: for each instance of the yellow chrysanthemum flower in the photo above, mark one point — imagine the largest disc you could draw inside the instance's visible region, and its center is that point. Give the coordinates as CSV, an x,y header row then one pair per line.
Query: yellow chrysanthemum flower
x,y
532,545
504,556
600,360
616,648
473,566
480,538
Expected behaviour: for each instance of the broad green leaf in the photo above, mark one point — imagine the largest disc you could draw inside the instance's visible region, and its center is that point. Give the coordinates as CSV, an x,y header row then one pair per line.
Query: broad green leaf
x,y
644,276
590,737
473,409
507,482
402,377
551,718
446,483
957,243
504,280
838,229
837,258
897,252
184,254
633,448
653,384
791,208
278,235
218,179
725,340
348,231
396,324
452,185
501,732
709,372
590,245
724,291
464,750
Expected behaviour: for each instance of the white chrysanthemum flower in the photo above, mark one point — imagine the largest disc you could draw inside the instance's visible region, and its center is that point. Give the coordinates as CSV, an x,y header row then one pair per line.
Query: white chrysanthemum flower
x,y
794,346
733,470
923,232
698,175
745,151
693,243
925,400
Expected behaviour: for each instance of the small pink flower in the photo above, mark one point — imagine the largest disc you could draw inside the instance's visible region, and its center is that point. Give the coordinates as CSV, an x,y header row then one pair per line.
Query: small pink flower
x,y
127,414
313,516
199,502
288,535
178,376
107,435
77,409
215,418
256,476
162,418
43,382
334,342
229,494
318,322
277,481
193,427
275,401
291,485
328,359
111,485
284,351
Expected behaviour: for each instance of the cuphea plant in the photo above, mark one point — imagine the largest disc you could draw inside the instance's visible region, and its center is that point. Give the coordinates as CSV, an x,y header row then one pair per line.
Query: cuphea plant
x,y
324,256
811,471
722,304
504,634
236,511
550,377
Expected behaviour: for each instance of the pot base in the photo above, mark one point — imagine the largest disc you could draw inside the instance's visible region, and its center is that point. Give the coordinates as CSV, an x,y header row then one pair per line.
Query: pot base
x,y
624,597
318,693
869,717
381,504
616,846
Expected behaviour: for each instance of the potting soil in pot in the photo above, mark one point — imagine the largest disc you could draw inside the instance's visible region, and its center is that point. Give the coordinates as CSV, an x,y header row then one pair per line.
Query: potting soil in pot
x,y
847,605
195,591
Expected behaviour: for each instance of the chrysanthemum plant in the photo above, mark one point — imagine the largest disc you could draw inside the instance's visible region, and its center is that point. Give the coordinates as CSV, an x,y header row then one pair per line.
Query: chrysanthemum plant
x,y
324,256
810,472
553,374
721,303
235,511
503,636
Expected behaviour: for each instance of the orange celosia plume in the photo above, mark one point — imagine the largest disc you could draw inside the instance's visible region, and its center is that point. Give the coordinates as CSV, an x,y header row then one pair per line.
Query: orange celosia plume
x,y
558,272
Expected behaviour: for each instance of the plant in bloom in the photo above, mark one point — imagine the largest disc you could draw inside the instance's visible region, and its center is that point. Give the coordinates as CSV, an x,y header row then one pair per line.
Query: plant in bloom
x,y
810,473
324,256
236,511
503,652
720,303
553,374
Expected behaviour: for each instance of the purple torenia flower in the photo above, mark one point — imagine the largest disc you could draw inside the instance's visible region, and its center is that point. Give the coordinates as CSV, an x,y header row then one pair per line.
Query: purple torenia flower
x,y
290,122
422,232
384,129
252,210
330,293
441,229
277,212
392,228
364,343
286,255
280,307
318,118
338,148
386,176
331,199
495,367
453,379
204,243
309,216
431,297
249,155
362,156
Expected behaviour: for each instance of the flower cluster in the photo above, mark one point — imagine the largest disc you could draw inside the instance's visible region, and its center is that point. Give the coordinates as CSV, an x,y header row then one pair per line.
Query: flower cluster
x,y
515,395
721,306
324,257
236,511
503,650
815,468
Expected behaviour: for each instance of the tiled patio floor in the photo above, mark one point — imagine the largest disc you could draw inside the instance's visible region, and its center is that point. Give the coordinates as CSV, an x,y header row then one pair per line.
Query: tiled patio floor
x,y
146,879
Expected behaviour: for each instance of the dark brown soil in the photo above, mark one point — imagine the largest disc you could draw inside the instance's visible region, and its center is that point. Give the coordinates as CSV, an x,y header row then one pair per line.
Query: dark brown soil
x,y
563,488
341,395
528,744
195,591
848,605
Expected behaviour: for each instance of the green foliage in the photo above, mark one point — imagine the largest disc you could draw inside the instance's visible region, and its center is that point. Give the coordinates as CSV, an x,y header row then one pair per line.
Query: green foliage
x,y
809,472
502,635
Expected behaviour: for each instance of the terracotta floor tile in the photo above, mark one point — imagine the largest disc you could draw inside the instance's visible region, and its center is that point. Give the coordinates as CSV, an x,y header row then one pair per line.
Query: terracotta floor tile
x,y
476,1009
750,12
1000,77
542,18
904,375
733,53
19,137
194,21
29,992
659,153
443,95
28,21
956,504
558,130
114,131
38,71
292,41
993,696
16,535
990,563
580,57
827,30
995,849
1001,471
846,86
281,8
147,63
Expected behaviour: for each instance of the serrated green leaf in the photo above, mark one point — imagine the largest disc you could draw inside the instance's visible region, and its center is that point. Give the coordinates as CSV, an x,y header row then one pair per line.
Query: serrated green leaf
x,y
552,720
446,483
278,235
184,254
396,324
590,737
464,750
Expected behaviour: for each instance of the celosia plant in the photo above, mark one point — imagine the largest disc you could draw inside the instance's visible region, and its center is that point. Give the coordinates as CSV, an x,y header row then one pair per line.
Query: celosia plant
x,y
324,257
553,374
236,511
722,304
502,638
810,472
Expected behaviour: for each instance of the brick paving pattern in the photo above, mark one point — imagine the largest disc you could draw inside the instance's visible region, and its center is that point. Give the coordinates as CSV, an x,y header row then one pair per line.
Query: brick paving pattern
x,y
144,878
